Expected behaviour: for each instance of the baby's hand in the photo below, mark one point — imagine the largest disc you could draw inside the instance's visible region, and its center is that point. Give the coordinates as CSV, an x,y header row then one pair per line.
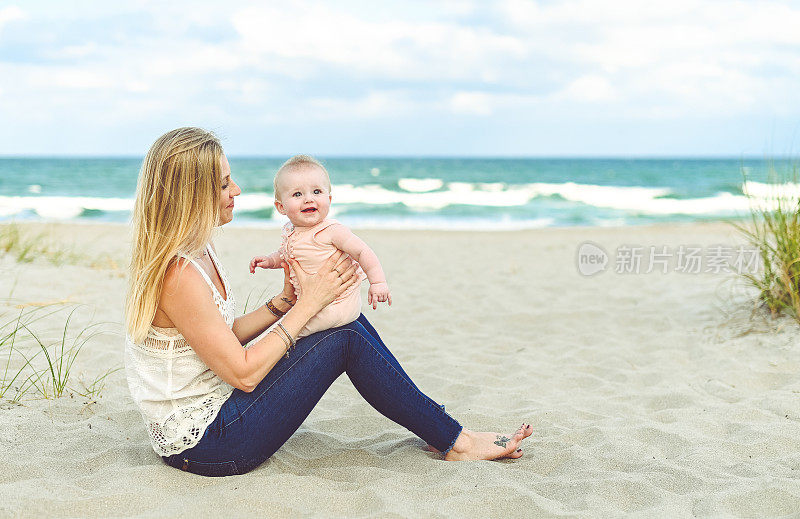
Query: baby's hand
x,y
379,292
264,262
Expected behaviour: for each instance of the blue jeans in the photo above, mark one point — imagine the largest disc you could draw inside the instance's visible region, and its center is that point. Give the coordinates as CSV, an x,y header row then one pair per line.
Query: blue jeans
x,y
250,427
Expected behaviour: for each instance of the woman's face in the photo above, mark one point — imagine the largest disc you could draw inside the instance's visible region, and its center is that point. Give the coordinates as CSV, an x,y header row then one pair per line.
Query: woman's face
x,y
228,191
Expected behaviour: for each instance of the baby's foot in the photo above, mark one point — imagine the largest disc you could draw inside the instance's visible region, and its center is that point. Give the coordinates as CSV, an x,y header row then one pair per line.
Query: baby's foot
x,y
472,445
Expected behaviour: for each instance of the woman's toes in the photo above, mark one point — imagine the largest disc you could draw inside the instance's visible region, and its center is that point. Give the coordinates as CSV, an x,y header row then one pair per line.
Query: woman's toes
x,y
516,454
527,430
523,432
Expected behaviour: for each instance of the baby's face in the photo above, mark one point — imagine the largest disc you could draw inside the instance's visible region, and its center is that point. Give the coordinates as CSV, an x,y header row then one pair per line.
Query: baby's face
x,y
304,196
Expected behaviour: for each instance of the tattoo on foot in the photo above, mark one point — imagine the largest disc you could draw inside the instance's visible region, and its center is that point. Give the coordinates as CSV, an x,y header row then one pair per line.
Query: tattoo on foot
x,y
501,441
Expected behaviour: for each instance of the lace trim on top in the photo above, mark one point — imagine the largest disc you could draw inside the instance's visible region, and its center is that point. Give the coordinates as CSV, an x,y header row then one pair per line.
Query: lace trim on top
x,y
169,342
187,424
177,394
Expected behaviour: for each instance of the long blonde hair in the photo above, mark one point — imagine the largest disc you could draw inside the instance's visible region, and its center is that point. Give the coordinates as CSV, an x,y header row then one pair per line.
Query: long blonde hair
x,y
176,210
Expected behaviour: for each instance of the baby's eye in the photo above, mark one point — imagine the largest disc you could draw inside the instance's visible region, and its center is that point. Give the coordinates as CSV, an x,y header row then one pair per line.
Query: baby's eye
x,y
296,193
317,191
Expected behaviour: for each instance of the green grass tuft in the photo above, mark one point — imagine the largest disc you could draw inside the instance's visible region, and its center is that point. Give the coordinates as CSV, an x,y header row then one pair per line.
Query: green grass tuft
x,y
259,298
32,365
24,246
774,229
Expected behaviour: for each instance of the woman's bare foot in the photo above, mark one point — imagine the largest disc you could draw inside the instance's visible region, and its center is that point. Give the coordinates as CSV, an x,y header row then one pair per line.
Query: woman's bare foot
x,y
471,445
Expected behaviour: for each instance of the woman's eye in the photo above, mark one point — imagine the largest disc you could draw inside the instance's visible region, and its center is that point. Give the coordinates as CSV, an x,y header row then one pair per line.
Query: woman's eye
x,y
225,186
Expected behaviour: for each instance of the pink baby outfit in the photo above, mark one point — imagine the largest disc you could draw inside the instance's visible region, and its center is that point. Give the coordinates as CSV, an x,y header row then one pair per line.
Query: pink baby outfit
x,y
302,245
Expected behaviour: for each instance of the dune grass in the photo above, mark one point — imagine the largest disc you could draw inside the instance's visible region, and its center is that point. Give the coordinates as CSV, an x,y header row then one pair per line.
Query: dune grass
x,y
24,245
33,366
40,343
259,299
774,229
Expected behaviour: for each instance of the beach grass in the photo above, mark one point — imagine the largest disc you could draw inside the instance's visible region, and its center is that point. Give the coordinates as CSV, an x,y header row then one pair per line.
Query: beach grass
x,y
259,298
23,374
774,229
32,365
24,245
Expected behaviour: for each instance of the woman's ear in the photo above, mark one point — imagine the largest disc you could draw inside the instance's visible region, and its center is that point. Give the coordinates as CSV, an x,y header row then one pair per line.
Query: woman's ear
x,y
279,207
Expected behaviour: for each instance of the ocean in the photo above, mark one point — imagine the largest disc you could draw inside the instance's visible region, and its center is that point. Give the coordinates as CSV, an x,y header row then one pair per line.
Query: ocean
x,y
421,193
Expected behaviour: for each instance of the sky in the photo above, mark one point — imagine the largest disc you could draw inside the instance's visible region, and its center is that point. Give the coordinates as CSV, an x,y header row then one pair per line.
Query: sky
x,y
409,78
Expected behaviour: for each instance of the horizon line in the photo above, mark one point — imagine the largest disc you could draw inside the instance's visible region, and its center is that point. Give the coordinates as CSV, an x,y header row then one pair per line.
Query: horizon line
x,y
439,157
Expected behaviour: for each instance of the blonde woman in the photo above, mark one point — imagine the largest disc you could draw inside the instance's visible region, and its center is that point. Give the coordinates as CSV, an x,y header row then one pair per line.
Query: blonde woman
x,y
212,405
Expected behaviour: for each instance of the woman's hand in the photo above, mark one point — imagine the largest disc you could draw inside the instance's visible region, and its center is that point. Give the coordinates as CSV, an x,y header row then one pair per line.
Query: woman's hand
x,y
335,276
287,294
250,325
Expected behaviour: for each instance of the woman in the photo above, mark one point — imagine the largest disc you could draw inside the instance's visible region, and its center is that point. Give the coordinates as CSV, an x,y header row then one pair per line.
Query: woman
x,y
211,406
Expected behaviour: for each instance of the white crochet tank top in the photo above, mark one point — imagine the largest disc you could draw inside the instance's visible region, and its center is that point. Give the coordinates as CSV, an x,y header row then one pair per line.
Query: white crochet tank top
x,y
177,394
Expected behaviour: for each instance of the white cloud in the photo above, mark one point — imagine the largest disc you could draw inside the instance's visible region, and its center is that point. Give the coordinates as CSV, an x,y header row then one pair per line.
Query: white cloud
x,y
265,63
589,88
9,14
77,51
316,33
684,57
137,86
373,105
457,7
79,79
472,103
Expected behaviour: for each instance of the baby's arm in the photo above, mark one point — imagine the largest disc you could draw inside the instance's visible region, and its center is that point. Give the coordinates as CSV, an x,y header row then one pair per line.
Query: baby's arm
x,y
273,261
343,238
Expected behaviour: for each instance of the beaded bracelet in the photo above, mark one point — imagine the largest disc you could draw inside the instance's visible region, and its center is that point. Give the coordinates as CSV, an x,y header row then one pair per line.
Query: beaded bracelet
x,y
286,342
291,340
274,309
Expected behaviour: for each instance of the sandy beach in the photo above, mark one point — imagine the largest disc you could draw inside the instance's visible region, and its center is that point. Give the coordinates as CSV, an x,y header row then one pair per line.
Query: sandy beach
x,y
657,394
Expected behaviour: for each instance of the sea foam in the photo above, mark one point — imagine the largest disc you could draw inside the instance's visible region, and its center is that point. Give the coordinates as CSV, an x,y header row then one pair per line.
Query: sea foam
x,y
433,195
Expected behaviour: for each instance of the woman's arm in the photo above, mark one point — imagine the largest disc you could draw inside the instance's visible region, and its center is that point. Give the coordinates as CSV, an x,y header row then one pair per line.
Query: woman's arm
x,y
187,301
251,325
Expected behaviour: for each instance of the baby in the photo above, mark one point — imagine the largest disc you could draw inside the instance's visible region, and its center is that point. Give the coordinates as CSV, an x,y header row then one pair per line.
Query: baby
x,y
303,193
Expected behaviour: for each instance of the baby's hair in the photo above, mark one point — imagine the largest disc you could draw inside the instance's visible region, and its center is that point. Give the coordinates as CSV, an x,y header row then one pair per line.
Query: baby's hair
x,y
295,163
